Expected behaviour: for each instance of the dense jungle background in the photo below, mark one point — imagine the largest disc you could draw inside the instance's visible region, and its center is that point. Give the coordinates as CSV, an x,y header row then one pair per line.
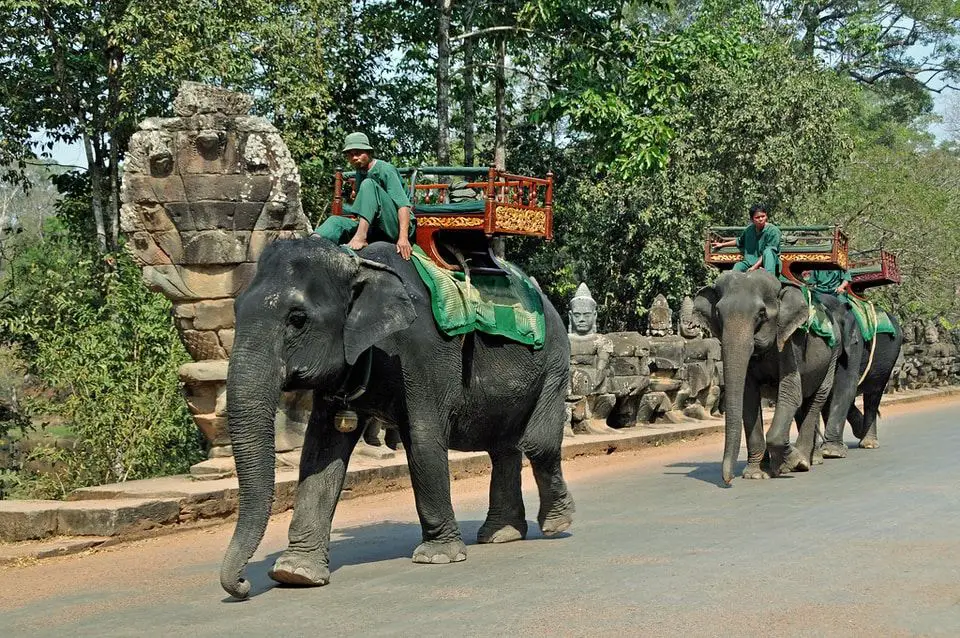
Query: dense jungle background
x,y
657,118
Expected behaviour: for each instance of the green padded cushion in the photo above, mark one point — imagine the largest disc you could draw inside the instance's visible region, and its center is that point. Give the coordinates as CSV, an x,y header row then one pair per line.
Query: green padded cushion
x,y
476,206
506,305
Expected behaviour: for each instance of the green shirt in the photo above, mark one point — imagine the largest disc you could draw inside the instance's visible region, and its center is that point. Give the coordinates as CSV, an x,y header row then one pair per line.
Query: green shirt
x,y
752,246
828,280
388,177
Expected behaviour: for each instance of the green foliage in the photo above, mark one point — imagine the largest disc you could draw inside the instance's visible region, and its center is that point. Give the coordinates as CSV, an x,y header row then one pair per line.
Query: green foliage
x,y
106,348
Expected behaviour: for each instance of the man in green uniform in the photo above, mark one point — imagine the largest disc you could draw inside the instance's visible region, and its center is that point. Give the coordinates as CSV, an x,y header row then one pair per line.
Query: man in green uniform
x,y
830,282
381,210
759,244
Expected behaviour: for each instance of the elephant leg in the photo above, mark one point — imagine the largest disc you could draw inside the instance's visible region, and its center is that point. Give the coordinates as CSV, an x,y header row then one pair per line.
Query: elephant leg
x,y
427,458
506,518
838,405
753,430
541,443
323,466
782,454
868,428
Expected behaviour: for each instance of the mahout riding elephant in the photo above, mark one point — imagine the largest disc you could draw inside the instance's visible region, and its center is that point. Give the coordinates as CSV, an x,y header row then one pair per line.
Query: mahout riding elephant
x,y
854,357
759,322
308,320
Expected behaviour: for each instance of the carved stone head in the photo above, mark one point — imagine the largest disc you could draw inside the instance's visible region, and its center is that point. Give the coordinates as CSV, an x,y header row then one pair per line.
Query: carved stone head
x,y
583,312
931,334
660,318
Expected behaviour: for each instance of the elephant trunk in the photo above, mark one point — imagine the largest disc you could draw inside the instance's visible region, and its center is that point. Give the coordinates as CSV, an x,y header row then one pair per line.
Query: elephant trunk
x,y
736,350
253,390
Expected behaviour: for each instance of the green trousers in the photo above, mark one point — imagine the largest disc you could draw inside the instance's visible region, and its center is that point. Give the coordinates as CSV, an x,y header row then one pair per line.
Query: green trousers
x,y
372,204
771,263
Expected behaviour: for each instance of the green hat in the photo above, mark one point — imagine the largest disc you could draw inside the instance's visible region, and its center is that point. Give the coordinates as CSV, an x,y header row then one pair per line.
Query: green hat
x,y
356,141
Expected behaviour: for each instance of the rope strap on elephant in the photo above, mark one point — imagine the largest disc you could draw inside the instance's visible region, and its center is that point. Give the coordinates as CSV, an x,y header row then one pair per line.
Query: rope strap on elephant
x,y
507,306
818,321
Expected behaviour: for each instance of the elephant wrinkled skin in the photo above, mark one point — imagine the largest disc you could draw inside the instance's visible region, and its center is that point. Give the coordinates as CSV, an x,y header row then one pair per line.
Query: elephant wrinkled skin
x,y
307,321
758,321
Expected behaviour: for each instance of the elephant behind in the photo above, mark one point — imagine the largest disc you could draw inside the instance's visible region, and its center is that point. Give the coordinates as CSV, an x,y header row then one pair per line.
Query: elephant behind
x,y
852,363
758,320
315,317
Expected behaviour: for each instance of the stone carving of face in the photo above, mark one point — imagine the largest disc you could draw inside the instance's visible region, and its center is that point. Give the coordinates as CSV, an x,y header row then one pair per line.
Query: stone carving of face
x,y
583,316
930,334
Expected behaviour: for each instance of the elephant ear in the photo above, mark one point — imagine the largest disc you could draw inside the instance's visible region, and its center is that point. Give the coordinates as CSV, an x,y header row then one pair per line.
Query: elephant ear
x,y
705,309
793,313
380,306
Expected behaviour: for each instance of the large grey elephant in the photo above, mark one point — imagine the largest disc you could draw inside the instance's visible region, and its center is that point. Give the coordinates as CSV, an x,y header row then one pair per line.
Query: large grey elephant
x,y
759,322
315,317
852,362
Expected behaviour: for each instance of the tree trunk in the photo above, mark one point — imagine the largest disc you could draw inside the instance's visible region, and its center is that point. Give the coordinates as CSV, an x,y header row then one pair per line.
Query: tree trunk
x,y
469,104
96,191
114,209
500,95
443,82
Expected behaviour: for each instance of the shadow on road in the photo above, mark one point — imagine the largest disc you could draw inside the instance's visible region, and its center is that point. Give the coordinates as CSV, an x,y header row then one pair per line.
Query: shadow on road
x,y
706,471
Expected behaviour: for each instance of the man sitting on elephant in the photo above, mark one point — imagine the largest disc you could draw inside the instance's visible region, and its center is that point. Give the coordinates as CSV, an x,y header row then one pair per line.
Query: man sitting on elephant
x,y
759,243
381,209
830,282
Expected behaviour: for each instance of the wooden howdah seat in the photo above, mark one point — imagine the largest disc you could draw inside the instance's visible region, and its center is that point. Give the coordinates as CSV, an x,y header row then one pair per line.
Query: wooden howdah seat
x,y
455,227
802,248
871,268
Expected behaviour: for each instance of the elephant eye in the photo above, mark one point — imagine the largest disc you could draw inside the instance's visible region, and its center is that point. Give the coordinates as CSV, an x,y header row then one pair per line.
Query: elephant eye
x,y
297,319
762,314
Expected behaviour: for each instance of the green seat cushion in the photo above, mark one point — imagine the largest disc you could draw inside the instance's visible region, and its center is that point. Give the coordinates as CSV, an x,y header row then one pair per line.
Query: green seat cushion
x,y
476,206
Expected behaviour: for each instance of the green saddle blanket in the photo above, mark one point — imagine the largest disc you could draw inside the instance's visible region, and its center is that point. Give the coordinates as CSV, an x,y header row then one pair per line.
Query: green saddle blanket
x,y
869,319
818,321
507,306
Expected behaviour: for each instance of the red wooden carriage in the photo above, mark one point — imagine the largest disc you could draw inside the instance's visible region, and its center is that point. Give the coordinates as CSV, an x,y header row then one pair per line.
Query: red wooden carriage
x,y
871,268
454,225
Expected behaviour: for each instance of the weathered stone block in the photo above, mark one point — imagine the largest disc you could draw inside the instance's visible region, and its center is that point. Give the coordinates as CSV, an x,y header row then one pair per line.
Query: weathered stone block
x,y
169,242
628,344
202,344
226,340
145,250
184,310
191,282
578,410
214,314
664,385
143,189
584,360
622,386
667,352
273,216
220,452
201,398
246,215
599,406
108,518
625,366
195,98
215,247
583,345
214,428
228,188
702,349
585,380
203,371
254,123
27,520
207,151
213,469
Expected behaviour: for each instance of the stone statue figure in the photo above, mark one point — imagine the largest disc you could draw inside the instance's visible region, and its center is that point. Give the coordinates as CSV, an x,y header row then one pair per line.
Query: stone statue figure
x,y
931,334
660,318
583,312
689,327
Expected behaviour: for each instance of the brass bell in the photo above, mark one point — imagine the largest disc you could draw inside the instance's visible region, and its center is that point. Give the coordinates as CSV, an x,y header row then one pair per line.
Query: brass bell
x,y
345,421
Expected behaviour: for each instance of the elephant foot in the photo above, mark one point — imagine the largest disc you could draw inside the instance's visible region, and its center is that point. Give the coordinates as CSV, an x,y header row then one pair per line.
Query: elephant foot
x,y
870,443
492,532
817,457
294,568
436,553
753,471
833,450
558,518
794,461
